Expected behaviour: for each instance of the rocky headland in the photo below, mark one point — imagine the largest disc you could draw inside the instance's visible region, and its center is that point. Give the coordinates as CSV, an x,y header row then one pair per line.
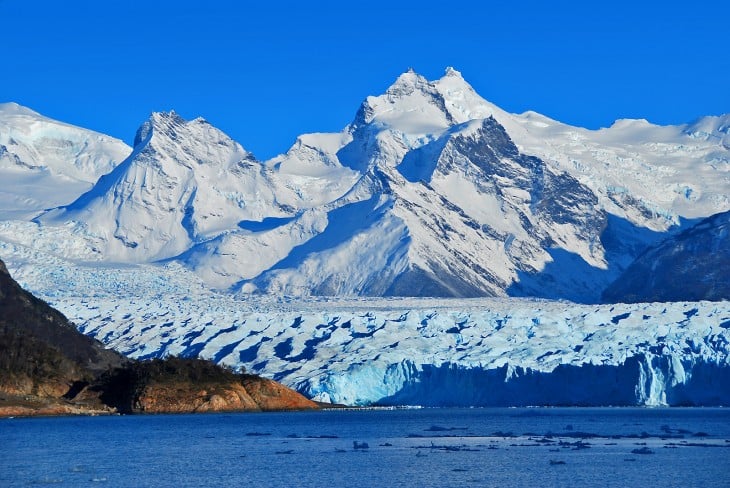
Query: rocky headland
x,y
47,367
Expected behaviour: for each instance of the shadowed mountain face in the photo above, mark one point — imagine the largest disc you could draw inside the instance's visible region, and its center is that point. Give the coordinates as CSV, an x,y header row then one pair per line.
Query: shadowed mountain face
x,y
694,265
47,367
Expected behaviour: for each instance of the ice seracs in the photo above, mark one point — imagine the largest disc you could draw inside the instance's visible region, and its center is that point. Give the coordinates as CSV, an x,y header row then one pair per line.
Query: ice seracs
x,y
442,353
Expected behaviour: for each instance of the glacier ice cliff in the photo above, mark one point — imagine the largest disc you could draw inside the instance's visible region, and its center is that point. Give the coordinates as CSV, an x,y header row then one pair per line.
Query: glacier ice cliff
x,y
645,379
436,352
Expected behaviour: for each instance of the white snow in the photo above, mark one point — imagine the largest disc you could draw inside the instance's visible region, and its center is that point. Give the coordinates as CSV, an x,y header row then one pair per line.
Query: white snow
x,y
190,193
421,190
45,163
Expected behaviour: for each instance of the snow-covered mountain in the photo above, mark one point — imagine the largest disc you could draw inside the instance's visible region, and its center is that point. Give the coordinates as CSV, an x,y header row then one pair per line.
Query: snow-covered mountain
x,y
459,216
189,192
188,244
184,182
430,191
45,163
694,265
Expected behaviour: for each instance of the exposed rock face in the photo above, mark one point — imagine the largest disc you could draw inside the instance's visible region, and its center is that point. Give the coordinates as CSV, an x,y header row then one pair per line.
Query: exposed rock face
x,y
37,409
271,395
194,398
255,394
693,265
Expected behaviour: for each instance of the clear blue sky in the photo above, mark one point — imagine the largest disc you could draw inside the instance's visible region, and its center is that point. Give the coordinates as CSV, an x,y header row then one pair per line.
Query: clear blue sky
x,y
266,73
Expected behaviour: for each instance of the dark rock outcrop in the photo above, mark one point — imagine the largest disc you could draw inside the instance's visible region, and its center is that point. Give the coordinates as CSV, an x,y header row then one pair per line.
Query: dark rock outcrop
x,y
41,352
694,265
179,385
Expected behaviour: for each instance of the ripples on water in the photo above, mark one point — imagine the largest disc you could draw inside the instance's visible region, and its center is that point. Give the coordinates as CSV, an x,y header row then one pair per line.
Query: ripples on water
x,y
417,447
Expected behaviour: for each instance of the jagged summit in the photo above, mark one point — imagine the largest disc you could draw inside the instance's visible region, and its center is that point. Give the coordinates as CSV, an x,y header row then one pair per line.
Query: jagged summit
x,y
452,73
406,83
197,139
411,105
160,122
185,182
419,108
431,190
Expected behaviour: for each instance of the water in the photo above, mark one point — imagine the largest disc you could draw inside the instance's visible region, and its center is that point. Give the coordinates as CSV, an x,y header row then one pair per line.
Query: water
x,y
427,447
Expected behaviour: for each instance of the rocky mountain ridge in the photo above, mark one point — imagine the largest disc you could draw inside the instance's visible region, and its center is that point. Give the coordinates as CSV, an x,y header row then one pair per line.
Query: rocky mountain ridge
x,y
693,265
430,191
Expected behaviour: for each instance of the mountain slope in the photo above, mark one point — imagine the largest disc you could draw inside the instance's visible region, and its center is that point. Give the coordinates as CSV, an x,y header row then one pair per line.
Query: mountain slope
x,y
41,352
694,265
430,191
47,163
460,216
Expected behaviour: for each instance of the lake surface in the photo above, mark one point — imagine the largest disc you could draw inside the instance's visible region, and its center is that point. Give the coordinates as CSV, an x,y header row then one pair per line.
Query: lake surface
x,y
414,447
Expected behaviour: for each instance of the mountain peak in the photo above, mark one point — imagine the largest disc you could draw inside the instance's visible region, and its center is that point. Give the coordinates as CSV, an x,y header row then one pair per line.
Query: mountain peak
x,y
170,125
167,118
407,83
157,122
184,181
451,72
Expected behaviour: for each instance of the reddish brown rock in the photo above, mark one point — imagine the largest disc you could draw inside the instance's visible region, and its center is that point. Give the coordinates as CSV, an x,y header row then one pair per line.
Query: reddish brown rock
x,y
254,394
188,398
270,395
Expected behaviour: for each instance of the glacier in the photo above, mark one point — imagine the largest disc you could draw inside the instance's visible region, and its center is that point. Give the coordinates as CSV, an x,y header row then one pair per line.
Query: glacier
x,y
430,352
403,351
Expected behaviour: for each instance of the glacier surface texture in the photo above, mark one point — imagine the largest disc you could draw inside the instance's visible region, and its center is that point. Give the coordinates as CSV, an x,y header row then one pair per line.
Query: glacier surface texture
x,y
478,352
